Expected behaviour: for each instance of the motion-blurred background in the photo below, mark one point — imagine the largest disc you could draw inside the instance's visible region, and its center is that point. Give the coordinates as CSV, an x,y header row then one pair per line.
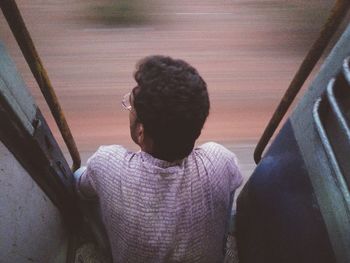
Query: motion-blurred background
x,y
247,51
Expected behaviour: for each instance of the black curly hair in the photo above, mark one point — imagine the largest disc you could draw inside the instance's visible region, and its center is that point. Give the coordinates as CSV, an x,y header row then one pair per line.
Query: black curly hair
x,y
171,101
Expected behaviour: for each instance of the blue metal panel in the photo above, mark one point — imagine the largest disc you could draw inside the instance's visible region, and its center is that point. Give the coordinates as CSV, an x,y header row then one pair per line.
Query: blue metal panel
x,y
278,216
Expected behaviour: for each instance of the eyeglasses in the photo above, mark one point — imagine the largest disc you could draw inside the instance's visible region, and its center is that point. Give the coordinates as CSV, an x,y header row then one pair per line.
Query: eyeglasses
x,y
126,102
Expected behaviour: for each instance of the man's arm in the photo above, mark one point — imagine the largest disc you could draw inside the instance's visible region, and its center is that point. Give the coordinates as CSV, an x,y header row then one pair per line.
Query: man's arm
x,y
84,184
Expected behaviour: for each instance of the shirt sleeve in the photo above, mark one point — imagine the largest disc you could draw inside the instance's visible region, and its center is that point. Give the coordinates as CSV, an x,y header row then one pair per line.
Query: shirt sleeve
x,y
101,168
84,179
226,160
233,166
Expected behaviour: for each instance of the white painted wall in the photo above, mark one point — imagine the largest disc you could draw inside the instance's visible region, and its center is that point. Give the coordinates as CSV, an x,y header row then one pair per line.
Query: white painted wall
x,y
31,228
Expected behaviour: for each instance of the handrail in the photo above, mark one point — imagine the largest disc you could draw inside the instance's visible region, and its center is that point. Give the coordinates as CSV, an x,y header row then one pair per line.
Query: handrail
x,y
19,30
335,18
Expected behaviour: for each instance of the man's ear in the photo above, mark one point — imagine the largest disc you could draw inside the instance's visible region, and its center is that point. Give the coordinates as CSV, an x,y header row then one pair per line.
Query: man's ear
x,y
140,133
144,141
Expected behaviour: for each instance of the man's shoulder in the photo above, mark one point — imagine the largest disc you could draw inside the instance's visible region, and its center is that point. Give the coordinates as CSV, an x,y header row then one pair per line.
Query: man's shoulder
x,y
225,161
107,153
111,149
214,148
217,151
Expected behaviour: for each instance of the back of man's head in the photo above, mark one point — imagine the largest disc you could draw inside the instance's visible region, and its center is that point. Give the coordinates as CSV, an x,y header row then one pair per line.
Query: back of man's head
x,y
172,102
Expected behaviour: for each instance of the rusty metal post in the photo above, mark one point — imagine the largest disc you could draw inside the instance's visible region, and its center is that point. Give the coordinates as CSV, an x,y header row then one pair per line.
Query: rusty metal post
x,y
19,30
335,18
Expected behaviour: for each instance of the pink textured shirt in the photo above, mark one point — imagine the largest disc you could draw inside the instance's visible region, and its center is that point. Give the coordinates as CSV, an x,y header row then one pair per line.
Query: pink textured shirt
x,y
157,211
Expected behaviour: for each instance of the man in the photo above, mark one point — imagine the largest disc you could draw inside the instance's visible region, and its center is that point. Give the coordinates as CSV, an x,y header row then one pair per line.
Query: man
x,y
168,202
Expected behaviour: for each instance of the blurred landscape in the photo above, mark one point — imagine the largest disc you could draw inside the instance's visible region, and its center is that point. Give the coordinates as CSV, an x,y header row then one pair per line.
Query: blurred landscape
x,y
247,51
